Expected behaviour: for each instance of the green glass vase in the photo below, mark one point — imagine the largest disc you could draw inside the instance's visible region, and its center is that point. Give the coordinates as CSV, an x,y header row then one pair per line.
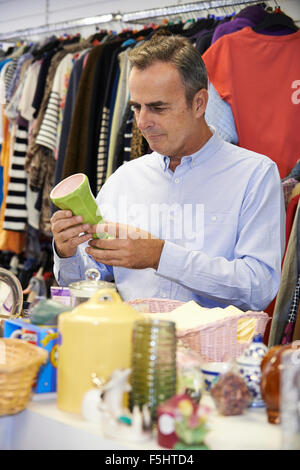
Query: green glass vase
x,y
153,376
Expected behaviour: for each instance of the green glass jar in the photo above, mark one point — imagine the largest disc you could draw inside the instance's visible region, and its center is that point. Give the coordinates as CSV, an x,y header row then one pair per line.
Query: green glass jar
x,y
153,376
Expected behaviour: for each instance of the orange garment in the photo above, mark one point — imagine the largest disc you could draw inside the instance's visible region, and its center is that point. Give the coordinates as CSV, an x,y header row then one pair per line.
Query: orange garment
x,y
259,76
9,240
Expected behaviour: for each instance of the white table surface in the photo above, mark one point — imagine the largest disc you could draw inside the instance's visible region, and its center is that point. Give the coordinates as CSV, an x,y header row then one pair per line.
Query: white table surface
x,y
43,426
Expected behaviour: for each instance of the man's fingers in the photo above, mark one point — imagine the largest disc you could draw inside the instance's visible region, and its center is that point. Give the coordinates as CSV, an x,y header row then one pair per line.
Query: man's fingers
x,y
77,240
107,244
64,224
105,255
120,231
58,215
116,230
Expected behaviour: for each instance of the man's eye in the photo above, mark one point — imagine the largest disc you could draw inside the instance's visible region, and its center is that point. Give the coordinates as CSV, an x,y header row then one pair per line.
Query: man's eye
x,y
158,110
135,107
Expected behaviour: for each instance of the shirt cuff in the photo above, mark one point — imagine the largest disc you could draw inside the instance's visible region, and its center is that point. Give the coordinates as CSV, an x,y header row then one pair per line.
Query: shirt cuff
x,y
66,270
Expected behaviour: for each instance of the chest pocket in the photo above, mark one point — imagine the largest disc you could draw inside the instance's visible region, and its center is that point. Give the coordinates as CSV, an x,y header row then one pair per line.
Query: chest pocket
x,y
216,236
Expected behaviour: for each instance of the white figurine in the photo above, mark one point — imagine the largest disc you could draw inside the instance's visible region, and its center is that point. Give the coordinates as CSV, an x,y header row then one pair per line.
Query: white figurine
x,y
90,407
113,391
105,406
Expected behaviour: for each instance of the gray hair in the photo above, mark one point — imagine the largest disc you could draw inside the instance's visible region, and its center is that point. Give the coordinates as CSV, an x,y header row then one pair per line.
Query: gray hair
x,y
180,52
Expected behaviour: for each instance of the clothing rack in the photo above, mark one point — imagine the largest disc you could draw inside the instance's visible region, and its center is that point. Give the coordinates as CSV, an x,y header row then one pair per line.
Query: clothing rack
x,y
126,18
185,8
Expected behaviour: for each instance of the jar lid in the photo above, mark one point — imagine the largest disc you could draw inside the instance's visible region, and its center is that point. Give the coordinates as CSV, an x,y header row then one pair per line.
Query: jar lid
x,y
254,353
90,285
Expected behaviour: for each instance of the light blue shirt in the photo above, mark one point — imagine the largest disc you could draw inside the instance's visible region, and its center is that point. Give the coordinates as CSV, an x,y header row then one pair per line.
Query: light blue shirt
x,y
221,214
218,113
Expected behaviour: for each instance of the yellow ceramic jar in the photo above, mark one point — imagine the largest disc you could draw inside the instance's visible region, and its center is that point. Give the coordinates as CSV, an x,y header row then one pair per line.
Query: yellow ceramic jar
x,y
96,337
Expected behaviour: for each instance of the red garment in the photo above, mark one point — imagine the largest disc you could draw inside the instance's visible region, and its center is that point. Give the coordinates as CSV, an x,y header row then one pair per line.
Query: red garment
x,y
259,76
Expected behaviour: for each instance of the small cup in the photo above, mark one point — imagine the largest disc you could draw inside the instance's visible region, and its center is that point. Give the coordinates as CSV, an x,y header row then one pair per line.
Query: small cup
x,y
211,372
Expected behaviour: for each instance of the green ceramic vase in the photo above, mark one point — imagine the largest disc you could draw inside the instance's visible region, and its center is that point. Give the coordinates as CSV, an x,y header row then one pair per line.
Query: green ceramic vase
x,y
74,194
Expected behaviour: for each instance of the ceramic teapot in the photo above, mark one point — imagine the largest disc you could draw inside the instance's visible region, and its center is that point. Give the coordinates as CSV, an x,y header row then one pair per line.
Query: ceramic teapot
x,y
95,338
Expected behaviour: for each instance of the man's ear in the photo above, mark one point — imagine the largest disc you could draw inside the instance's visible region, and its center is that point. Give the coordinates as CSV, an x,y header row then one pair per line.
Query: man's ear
x,y
200,102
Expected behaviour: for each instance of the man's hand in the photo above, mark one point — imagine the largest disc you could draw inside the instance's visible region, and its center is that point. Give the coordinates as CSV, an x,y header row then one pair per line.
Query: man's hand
x,y
67,232
131,248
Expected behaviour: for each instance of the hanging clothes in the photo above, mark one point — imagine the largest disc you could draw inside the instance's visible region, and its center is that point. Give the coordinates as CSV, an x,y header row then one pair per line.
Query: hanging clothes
x,y
67,117
99,114
249,16
289,278
15,216
40,161
9,240
120,107
74,161
242,67
287,336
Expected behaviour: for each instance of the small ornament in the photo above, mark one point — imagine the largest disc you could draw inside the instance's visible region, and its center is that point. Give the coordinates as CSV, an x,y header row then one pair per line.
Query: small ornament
x,y
230,394
182,424
104,405
248,365
189,375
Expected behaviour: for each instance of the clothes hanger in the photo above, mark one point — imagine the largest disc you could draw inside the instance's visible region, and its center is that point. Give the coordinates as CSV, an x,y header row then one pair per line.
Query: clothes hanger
x,y
188,24
278,18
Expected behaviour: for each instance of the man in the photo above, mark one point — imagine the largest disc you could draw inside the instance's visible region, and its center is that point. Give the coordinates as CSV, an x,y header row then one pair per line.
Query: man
x,y
197,219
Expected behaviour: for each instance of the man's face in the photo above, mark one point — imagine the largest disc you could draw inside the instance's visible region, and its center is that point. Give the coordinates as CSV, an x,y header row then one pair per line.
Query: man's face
x,y
163,116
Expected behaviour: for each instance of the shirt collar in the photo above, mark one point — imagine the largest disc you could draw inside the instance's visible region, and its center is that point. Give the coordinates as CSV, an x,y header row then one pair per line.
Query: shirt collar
x,y
208,149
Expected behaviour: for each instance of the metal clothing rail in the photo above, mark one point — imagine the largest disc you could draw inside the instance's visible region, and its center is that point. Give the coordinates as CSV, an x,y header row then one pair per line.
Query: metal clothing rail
x,y
137,16
185,8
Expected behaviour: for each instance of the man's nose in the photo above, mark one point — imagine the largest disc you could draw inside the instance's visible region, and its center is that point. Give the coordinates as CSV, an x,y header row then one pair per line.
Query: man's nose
x,y
144,119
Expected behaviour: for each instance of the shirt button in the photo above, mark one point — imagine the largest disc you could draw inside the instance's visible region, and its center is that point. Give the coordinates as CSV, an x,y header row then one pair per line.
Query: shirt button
x,y
164,295
192,164
214,218
177,180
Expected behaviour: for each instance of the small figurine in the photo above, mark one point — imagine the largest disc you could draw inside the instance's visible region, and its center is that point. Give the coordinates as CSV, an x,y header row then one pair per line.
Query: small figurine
x,y
248,365
105,406
113,390
182,424
189,376
36,287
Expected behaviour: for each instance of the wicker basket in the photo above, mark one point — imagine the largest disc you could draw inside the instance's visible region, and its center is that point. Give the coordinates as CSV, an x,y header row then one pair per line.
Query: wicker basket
x,y
218,341
155,305
214,342
19,365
